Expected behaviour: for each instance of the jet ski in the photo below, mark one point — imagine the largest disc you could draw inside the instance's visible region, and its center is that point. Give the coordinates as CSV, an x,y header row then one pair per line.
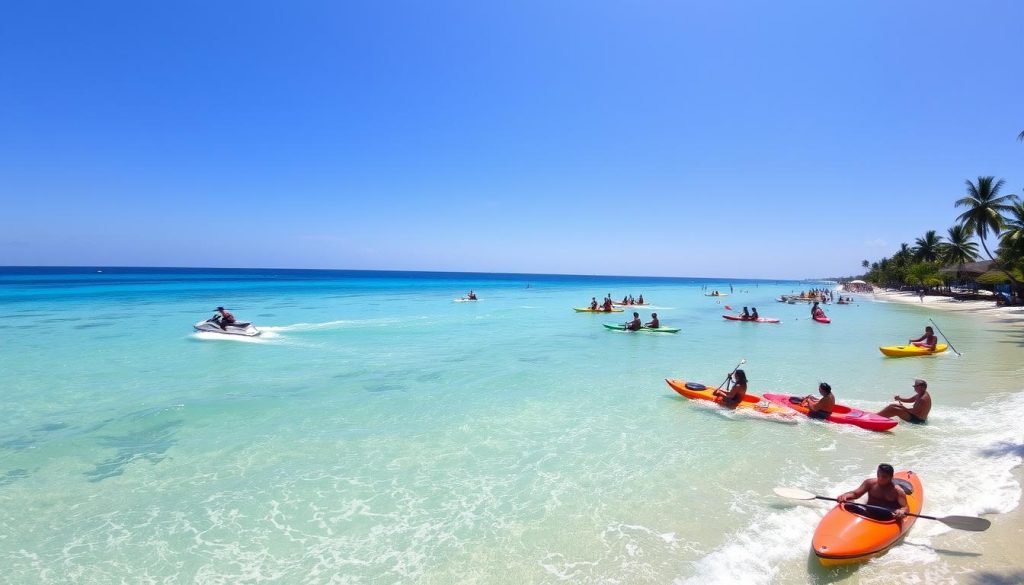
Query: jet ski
x,y
213,325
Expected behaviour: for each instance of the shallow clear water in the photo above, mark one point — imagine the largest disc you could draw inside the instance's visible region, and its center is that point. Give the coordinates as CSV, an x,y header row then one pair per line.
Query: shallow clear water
x,y
379,432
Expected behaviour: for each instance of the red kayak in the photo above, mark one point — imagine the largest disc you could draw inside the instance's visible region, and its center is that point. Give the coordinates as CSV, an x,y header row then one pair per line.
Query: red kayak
x,y
822,319
840,414
758,320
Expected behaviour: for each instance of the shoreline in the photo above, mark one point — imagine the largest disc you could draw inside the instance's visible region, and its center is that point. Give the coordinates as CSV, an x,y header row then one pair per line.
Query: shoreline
x,y
985,309
996,567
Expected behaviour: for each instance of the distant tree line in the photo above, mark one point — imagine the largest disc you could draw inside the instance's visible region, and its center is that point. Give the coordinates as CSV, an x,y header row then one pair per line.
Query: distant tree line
x,y
988,215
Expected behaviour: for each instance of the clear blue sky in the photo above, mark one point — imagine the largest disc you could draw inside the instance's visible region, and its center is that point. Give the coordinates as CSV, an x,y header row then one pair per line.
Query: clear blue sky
x,y
734,139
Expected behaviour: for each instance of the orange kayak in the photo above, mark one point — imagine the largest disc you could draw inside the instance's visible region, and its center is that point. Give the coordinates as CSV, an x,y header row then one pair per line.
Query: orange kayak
x,y
844,537
750,401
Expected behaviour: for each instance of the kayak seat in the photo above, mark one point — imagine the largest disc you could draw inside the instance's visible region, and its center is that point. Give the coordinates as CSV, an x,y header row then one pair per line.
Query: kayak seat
x,y
908,488
695,386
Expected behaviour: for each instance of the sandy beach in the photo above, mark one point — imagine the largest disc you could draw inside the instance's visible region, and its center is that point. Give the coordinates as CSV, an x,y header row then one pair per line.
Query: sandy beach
x,y
998,563
984,309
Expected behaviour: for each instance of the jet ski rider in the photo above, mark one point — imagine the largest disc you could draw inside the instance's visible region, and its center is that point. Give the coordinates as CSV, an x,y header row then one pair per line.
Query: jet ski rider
x,y
226,318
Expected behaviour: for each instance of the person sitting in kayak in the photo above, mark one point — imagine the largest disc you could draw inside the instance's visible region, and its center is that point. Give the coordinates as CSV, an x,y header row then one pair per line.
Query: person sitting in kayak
x,y
640,299
753,314
608,303
927,341
881,492
920,405
820,408
593,303
746,314
653,323
635,324
471,296
732,398
226,318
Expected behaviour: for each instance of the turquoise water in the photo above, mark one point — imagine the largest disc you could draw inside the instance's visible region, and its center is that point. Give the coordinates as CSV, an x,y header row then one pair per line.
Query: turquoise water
x,y
379,432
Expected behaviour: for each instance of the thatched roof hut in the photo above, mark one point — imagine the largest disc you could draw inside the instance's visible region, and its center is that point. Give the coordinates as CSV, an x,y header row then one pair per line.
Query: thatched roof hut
x,y
968,269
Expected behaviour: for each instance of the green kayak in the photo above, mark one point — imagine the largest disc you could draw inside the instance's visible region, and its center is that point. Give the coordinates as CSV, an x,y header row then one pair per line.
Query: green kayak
x,y
643,329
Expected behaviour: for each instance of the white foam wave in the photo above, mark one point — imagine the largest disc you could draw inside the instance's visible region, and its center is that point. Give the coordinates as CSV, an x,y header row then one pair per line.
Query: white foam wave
x,y
966,461
337,324
208,336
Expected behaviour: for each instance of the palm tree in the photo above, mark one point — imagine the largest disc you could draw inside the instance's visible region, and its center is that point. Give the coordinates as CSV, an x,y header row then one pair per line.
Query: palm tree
x,y
864,264
903,256
958,248
1011,243
927,248
1021,136
985,208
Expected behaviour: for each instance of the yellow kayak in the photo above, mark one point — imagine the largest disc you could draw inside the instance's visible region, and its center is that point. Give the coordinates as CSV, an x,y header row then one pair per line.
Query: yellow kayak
x,y
910,350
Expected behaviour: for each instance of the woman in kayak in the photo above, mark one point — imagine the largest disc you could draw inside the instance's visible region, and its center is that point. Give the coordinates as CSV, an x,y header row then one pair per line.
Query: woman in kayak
x,y
746,314
732,398
653,323
928,340
754,315
820,408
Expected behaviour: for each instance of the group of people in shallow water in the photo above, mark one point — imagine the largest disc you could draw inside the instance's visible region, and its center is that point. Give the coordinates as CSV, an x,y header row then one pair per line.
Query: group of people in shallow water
x,y
823,295
607,304
629,300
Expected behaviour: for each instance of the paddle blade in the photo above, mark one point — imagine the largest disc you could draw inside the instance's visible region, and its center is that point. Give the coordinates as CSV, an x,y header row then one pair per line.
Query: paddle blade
x,y
966,523
794,493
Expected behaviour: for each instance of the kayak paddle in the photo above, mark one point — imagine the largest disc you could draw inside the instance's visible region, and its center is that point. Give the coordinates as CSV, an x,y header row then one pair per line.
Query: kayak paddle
x,y
742,361
944,337
972,523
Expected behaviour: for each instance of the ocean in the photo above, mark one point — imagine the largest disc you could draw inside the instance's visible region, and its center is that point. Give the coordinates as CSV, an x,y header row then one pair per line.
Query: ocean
x,y
379,432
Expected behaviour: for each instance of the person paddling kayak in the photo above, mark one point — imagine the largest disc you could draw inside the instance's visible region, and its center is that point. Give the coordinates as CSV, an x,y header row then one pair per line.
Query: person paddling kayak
x,y
653,323
881,492
635,324
732,398
927,341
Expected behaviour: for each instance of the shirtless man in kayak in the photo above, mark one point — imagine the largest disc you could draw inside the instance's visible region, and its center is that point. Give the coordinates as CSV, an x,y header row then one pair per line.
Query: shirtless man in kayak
x,y
920,405
635,324
653,323
881,491
927,341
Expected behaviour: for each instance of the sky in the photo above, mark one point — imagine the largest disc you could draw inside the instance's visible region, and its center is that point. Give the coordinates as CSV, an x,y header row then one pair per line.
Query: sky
x,y
732,139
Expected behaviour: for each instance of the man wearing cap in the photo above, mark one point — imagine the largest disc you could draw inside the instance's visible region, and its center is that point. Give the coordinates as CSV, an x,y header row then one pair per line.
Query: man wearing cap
x,y
920,405
226,318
